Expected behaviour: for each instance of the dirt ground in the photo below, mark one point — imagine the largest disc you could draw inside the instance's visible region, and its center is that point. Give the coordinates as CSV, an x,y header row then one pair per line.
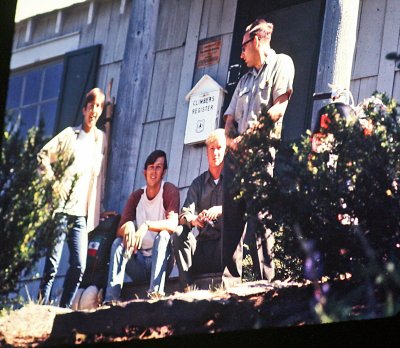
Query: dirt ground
x,y
196,317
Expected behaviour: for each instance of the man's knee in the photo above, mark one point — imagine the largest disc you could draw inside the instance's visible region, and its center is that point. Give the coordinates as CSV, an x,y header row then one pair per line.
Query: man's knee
x,y
164,236
117,245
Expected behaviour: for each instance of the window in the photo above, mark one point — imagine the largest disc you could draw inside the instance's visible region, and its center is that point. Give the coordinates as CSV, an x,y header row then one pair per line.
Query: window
x,y
33,95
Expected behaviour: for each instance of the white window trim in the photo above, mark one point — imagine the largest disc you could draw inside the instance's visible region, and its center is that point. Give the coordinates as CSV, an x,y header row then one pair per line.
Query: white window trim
x,y
44,50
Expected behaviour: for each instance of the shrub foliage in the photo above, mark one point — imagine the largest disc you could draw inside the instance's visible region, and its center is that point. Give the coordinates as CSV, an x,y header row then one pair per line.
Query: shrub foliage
x,y
333,202
27,205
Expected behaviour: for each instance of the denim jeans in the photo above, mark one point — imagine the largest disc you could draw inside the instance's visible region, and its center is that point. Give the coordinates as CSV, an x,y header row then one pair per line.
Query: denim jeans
x,y
73,230
139,267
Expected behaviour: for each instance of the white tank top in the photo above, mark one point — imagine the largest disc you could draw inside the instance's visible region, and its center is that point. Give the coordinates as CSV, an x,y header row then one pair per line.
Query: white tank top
x,y
152,210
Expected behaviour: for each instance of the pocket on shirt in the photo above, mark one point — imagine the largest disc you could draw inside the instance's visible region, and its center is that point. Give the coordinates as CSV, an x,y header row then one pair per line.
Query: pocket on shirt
x,y
265,93
242,105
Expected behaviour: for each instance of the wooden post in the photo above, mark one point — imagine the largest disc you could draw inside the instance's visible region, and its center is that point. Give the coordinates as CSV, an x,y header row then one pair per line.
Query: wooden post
x,y
337,48
110,102
184,87
131,107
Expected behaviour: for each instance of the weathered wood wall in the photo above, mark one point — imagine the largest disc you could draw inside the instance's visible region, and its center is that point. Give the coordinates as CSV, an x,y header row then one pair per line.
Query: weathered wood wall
x,y
159,117
217,20
378,34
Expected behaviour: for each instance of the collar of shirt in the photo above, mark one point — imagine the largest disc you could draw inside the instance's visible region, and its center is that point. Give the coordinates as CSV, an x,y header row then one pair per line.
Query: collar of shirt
x,y
269,57
209,179
79,129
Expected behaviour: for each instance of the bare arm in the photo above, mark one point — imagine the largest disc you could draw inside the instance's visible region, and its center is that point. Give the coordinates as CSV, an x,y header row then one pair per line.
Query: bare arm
x,y
278,109
169,224
230,129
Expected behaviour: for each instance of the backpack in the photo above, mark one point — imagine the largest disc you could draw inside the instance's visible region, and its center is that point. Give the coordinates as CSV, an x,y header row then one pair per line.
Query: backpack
x,y
98,255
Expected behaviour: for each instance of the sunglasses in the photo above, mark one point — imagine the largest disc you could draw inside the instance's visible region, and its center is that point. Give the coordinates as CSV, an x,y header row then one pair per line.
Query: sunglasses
x,y
246,42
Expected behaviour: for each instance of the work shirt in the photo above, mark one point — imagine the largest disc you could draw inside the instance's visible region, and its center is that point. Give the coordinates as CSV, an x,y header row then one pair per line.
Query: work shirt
x,y
203,194
274,79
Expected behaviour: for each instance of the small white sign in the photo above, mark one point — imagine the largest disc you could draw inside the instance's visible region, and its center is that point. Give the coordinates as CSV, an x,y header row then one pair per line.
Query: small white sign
x,y
203,114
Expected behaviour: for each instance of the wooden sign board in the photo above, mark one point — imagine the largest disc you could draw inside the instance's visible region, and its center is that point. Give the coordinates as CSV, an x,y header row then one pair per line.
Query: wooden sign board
x,y
203,115
208,52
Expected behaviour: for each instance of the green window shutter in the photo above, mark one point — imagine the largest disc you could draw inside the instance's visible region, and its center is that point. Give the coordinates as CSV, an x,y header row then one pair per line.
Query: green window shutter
x,y
79,76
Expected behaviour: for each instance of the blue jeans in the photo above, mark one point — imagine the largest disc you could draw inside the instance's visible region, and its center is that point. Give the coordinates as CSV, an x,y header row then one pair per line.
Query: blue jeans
x,y
72,229
139,267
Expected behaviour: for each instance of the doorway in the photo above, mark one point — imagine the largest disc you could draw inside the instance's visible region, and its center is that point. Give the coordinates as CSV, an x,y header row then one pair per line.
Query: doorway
x,y
297,33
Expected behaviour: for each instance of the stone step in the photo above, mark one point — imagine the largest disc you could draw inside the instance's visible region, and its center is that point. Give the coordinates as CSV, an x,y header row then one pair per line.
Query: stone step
x,y
207,281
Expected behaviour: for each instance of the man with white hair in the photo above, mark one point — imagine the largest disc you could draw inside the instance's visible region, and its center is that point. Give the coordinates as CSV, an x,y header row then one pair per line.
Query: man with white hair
x,y
202,209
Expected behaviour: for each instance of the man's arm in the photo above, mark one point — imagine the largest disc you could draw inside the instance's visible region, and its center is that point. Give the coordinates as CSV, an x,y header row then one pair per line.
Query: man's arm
x,y
128,216
171,206
169,224
277,110
229,130
50,152
191,216
282,86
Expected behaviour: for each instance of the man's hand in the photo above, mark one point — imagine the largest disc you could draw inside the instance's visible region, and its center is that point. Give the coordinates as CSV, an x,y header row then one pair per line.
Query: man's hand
x,y
233,143
127,232
137,243
198,222
212,213
60,190
208,216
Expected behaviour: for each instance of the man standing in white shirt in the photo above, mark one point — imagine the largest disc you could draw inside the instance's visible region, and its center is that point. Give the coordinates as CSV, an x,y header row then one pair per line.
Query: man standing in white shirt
x,y
79,191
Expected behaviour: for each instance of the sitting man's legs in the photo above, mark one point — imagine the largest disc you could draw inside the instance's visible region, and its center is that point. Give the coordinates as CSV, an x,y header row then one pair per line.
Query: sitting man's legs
x,y
195,257
137,266
162,262
184,245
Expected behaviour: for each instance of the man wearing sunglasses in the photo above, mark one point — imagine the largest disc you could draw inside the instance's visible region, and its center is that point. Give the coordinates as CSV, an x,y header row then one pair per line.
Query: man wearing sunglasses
x,y
269,81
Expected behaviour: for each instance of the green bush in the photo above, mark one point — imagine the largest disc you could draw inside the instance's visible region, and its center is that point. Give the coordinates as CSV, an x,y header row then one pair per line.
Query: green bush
x,y
27,205
333,202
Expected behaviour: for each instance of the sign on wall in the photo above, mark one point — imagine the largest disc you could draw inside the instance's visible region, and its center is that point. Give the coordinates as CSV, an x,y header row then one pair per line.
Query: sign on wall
x,y
205,102
208,53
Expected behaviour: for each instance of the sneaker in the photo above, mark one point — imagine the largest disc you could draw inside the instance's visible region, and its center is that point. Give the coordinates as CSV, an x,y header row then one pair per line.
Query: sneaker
x,y
155,295
109,303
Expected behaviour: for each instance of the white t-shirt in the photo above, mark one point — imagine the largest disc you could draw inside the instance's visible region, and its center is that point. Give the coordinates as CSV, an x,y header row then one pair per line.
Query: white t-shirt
x,y
152,210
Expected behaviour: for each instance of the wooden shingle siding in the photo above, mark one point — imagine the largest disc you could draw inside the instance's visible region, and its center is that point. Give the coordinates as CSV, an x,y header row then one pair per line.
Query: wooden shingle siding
x,y
165,84
45,28
390,42
191,164
363,87
172,26
185,85
164,138
75,18
396,86
369,40
378,34
217,19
